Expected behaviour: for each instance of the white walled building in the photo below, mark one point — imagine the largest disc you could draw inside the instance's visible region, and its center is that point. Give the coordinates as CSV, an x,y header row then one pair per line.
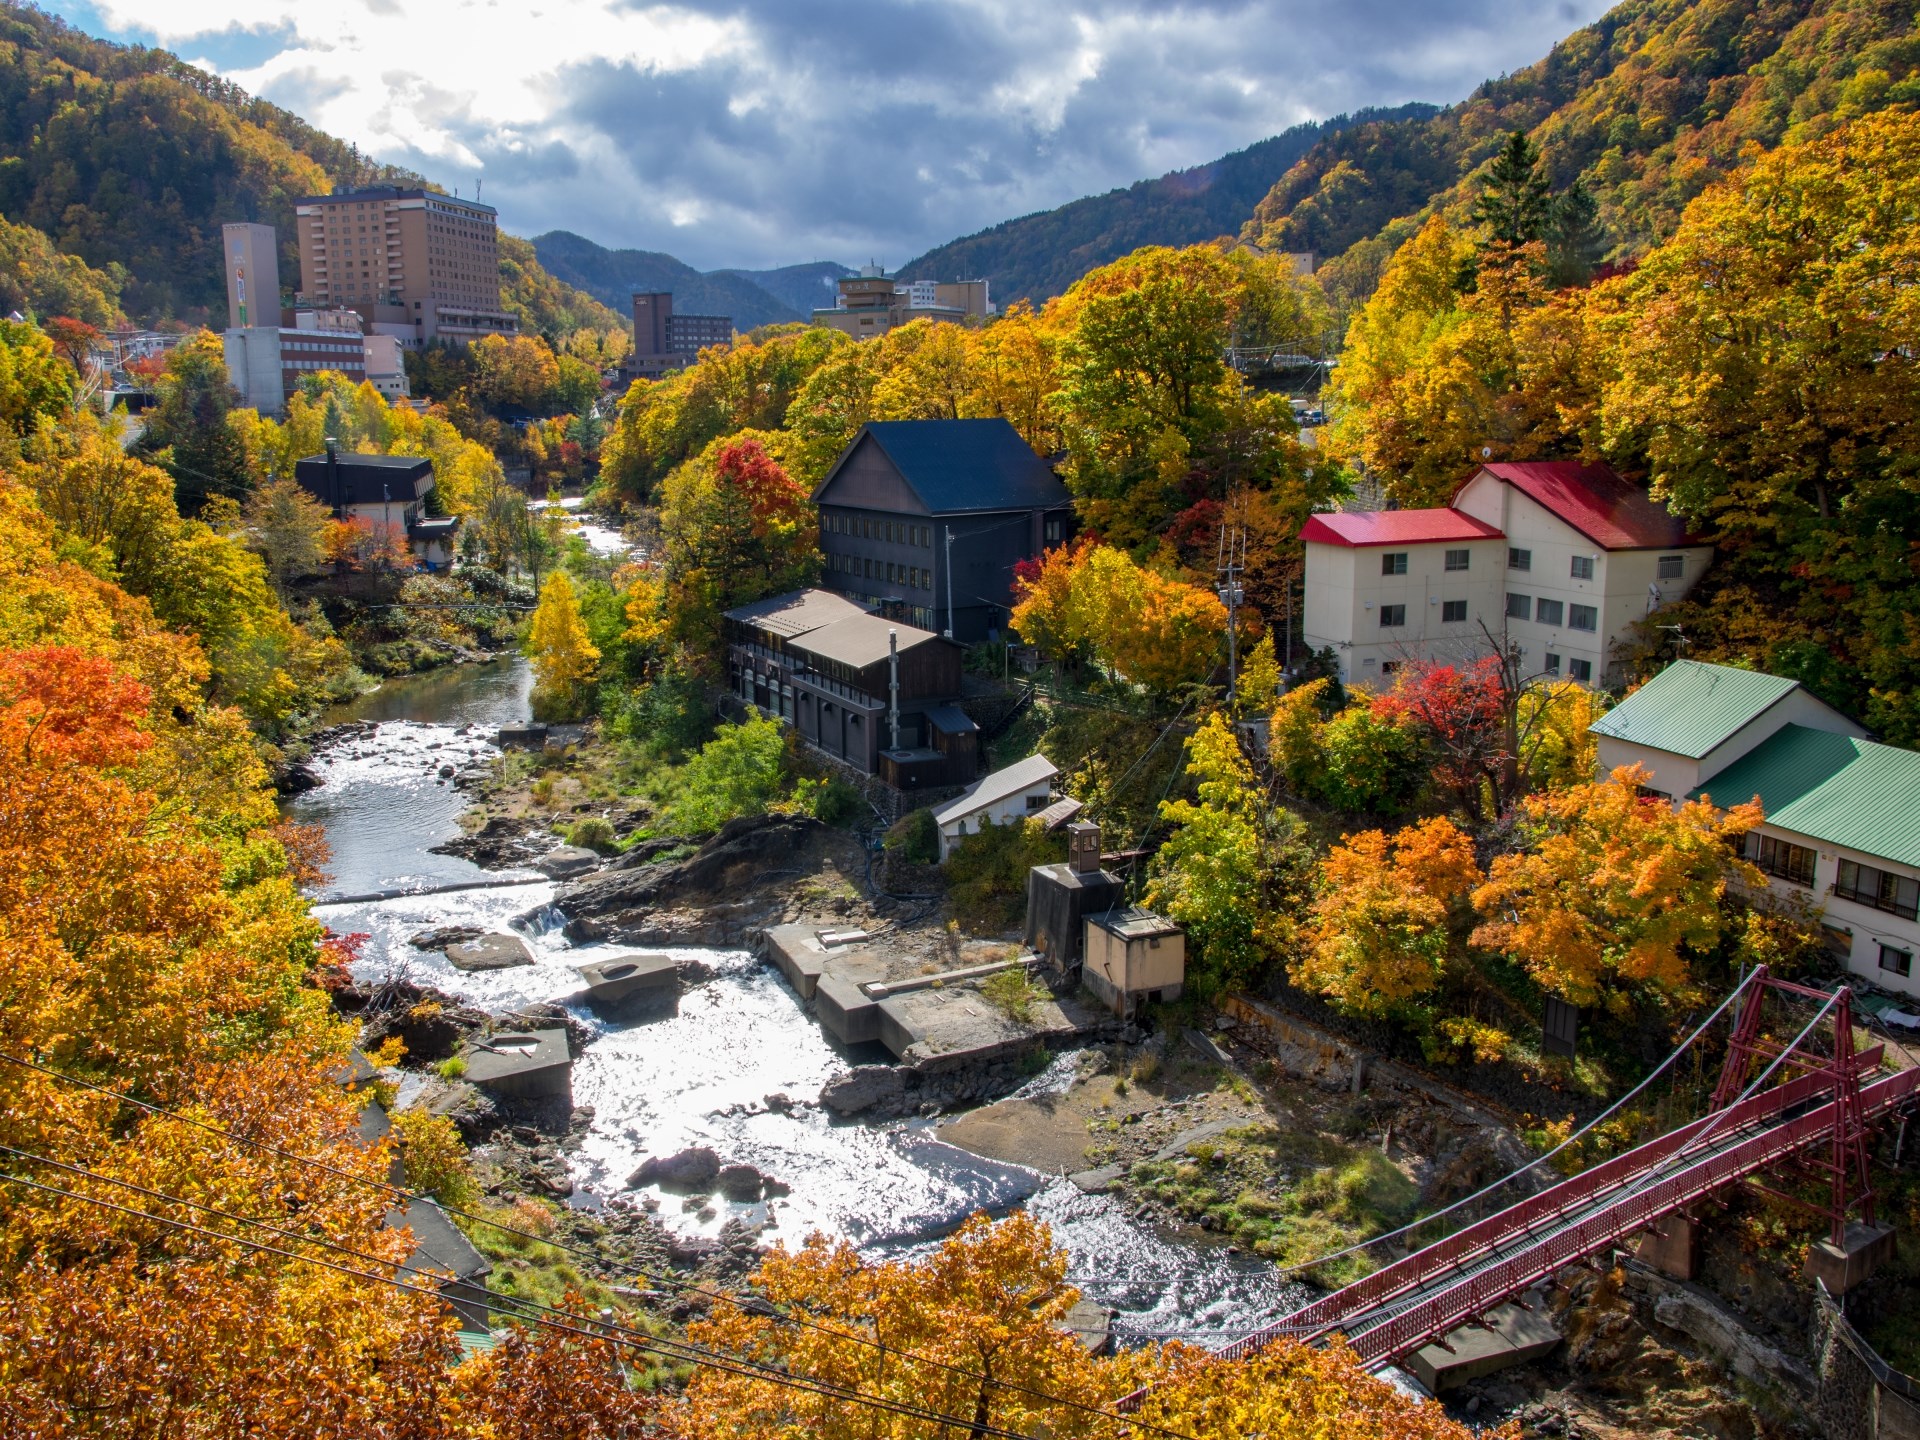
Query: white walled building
x,y
1842,824
1557,557
1022,790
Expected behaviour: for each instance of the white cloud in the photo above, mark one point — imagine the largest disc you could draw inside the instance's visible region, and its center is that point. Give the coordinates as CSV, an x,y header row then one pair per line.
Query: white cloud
x,y
759,132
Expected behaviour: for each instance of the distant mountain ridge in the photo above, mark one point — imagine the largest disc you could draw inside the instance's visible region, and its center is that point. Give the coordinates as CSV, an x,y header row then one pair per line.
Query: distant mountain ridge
x,y
752,297
1038,256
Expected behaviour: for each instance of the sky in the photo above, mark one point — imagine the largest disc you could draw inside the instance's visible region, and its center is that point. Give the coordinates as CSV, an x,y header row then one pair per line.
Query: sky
x,y
758,133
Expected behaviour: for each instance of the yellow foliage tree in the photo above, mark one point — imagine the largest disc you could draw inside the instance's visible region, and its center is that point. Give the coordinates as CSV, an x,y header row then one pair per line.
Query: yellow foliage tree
x,y
563,654
1153,631
1615,889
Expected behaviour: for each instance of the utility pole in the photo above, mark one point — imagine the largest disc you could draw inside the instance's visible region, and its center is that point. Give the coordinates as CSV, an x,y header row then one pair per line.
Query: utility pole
x,y
948,630
1230,561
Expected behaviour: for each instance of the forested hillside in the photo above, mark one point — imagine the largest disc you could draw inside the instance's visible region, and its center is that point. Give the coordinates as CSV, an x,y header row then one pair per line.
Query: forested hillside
x,y
1649,105
1038,256
612,277
126,156
802,288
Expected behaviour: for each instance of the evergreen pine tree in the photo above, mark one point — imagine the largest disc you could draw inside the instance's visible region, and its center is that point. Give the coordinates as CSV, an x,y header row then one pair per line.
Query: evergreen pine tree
x,y
1515,203
1575,241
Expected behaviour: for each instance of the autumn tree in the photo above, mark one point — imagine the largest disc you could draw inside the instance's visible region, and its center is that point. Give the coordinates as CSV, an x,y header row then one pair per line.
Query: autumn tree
x,y
34,380
1230,870
287,527
564,657
1766,381
518,370
187,433
1614,893
734,528
1379,937
1148,629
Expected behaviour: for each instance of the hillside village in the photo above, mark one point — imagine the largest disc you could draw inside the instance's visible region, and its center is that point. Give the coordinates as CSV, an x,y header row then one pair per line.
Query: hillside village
x,y
1310,829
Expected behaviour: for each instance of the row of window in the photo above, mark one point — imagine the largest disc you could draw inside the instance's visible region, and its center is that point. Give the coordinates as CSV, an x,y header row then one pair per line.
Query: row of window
x,y
1576,668
1863,884
1394,562
1452,612
867,527
1552,612
862,567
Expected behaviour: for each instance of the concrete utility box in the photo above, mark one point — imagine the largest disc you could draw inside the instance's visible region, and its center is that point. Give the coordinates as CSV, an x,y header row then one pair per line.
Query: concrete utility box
x,y
1132,956
522,1065
1060,897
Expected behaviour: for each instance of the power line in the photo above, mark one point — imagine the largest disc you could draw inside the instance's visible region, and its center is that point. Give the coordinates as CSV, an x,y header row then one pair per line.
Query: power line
x,y
668,1281
673,1349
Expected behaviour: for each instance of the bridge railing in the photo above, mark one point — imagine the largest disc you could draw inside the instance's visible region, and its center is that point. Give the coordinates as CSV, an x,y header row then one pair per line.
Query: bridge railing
x,y
1635,1210
1549,1205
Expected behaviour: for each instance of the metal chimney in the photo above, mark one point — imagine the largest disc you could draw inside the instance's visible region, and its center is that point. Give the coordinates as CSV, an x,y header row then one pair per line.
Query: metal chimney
x,y
893,687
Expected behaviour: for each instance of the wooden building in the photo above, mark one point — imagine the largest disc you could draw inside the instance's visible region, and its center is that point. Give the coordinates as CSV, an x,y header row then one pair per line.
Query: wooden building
x,y
829,666
925,520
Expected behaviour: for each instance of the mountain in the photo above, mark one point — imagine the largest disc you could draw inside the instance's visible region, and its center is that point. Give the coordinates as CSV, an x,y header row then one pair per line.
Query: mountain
x,y
127,156
612,277
801,288
1650,104
1037,256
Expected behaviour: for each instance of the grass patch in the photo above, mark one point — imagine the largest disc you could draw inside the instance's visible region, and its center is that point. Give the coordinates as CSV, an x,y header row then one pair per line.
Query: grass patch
x,y
1290,1196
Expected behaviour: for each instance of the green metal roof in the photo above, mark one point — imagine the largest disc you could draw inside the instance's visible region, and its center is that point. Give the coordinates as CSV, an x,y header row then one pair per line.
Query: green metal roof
x,y
1830,787
1690,707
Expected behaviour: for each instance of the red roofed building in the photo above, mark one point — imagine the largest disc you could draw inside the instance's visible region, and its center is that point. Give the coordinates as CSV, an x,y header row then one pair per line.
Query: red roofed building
x,y
1558,558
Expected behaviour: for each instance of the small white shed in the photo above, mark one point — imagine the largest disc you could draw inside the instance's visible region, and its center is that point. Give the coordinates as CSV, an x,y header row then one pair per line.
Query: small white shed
x,y
1023,789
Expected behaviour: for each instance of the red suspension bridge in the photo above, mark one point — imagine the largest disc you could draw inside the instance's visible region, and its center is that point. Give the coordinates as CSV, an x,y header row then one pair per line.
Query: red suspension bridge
x,y
1803,1107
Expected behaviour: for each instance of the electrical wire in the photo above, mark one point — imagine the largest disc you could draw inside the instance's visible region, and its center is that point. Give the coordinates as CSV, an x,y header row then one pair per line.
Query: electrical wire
x,y
666,1348
666,1281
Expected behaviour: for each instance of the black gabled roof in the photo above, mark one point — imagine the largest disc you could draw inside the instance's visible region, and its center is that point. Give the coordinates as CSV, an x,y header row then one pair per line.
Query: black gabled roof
x,y
961,466
366,479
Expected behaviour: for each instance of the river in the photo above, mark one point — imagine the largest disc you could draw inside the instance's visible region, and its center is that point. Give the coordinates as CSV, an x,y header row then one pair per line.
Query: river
x,y
703,1076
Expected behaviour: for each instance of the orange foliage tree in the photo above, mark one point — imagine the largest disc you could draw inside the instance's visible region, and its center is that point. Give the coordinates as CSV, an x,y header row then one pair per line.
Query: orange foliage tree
x,y
1615,889
1093,600
1379,937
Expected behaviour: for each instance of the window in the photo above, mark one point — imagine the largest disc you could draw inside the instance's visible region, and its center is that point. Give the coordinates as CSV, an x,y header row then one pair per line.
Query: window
x,y
1582,617
1672,567
1583,567
1581,670
1457,559
1389,667
1394,563
1055,530
1896,962
1519,607
1882,889
1452,612
1036,802
1519,560
1553,663
1781,858
1546,611
1392,615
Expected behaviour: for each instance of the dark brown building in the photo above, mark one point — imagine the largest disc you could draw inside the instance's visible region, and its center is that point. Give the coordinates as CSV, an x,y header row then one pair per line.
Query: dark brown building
x,y
829,667
926,519
664,341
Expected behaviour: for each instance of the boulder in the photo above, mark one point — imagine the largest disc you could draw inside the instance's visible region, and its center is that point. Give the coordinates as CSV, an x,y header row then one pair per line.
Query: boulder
x,y
490,952
691,1250
862,1088
693,1171
747,1183
566,862
445,935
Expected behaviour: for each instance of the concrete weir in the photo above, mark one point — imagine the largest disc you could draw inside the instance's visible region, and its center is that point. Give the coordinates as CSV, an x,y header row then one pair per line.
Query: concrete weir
x,y
928,1021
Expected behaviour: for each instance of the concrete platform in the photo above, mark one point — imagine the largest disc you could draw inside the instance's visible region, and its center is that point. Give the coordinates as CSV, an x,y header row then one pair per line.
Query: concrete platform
x,y
936,1028
530,1064
630,981
798,953
845,1011
1841,1267
1517,1336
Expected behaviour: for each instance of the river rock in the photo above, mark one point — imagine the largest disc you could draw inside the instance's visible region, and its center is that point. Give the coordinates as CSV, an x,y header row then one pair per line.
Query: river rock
x,y
297,777
862,1088
432,1028
490,952
445,935
566,862
748,1182
693,1170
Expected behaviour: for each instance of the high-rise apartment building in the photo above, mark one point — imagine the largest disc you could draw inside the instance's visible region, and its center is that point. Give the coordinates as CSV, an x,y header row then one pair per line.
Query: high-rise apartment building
x,y
252,258
415,264
664,341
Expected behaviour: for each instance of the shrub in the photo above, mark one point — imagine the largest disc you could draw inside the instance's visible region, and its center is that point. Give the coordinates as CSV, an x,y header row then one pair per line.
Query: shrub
x,y
434,1159
987,872
831,801
1012,991
595,832
738,772
451,1068
915,838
